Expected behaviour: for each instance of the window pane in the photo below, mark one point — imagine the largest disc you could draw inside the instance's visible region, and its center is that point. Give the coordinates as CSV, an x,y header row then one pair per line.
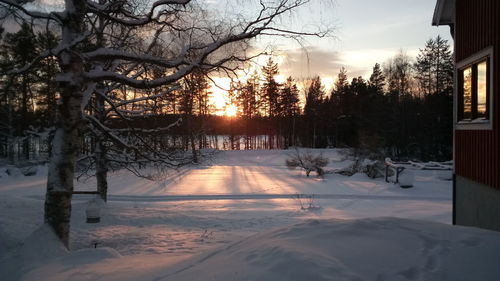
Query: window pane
x,y
467,90
481,89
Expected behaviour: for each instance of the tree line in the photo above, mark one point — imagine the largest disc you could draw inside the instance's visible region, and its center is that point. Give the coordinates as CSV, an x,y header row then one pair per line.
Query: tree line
x,y
403,110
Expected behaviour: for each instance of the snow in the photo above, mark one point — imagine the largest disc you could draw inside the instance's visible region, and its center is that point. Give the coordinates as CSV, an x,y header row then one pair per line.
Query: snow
x,y
214,218
39,246
365,249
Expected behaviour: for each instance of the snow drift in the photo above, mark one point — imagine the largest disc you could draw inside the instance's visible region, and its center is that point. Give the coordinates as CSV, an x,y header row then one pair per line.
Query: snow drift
x,y
36,249
366,249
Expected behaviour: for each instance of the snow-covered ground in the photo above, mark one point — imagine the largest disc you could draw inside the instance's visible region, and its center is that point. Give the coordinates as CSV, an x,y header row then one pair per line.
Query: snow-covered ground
x,y
147,227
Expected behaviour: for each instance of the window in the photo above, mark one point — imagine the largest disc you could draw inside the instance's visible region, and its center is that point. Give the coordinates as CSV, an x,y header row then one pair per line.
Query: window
x,y
474,91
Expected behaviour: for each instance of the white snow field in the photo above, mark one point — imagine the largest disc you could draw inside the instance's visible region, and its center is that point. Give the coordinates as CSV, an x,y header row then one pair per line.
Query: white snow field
x,y
239,218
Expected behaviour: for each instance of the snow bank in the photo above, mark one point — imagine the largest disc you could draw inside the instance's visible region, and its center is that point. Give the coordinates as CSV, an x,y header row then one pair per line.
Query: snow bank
x,y
153,232
6,242
367,249
40,246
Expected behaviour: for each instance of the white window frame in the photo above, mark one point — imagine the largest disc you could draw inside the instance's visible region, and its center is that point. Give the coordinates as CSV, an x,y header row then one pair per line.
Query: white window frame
x,y
475,124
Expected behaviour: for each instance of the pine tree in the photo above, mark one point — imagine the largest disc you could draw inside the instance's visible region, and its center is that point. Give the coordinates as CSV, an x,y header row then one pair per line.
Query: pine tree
x,y
289,110
434,67
248,95
248,103
424,67
443,65
341,83
339,92
270,88
315,97
289,101
377,79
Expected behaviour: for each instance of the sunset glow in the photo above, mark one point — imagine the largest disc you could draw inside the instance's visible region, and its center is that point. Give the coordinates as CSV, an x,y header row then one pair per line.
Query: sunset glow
x,y
219,97
231,110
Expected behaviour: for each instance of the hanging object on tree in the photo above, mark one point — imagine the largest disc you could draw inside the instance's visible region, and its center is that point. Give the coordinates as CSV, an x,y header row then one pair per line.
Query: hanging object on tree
x,y
93,211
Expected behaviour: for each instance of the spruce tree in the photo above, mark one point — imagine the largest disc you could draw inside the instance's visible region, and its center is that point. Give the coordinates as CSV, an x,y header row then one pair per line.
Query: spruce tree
x,y
434,67
315,97
289,99
377,79
270,88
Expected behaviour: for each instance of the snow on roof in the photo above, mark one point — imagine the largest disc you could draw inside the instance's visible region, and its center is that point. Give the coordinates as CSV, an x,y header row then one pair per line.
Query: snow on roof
x,y
444,13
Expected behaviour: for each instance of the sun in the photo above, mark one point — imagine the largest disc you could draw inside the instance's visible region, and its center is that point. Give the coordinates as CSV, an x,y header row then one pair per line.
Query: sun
x,y
231,110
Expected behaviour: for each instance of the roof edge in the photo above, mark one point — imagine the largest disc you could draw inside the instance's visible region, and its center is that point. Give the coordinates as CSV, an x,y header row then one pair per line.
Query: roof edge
x,y
444,13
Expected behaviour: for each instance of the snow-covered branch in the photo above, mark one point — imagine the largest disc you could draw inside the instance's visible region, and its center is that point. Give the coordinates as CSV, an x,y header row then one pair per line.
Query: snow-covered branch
x,y
112,54
111,10
19,6
145,98
197,62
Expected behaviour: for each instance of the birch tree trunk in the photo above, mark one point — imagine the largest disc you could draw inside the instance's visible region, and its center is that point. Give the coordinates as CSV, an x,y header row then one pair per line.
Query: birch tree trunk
x,y
66,143
101,171
65,146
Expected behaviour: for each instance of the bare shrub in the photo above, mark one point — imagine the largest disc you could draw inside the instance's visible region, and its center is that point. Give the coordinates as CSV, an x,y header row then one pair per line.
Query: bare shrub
x,y
367,158
307,202
352,169
307,161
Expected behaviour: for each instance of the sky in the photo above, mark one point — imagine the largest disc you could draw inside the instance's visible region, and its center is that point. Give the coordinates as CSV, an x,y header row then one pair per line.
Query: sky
x,y
365,32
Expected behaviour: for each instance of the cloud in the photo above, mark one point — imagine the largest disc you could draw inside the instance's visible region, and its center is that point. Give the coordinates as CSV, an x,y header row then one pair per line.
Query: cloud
x,y
306,63
364,60
309,62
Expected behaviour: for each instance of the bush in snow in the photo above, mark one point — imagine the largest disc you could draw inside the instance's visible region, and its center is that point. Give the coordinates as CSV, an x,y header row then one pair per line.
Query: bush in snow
x,y
375,169
355,167
13,171
307,161
29,171
306,202
372,168
367,158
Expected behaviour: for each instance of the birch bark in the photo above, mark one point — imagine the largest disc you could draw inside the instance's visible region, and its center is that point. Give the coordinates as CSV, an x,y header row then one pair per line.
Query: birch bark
x,y
66,143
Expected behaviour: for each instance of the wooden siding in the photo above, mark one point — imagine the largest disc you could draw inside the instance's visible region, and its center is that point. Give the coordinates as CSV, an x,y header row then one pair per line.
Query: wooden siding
x,y
477,152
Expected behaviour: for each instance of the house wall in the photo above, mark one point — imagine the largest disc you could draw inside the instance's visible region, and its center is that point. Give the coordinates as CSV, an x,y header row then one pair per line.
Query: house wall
x,y
477,152
477,204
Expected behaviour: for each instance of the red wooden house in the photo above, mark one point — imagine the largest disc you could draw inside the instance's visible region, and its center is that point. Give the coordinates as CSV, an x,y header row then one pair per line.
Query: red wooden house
x,y
475,26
